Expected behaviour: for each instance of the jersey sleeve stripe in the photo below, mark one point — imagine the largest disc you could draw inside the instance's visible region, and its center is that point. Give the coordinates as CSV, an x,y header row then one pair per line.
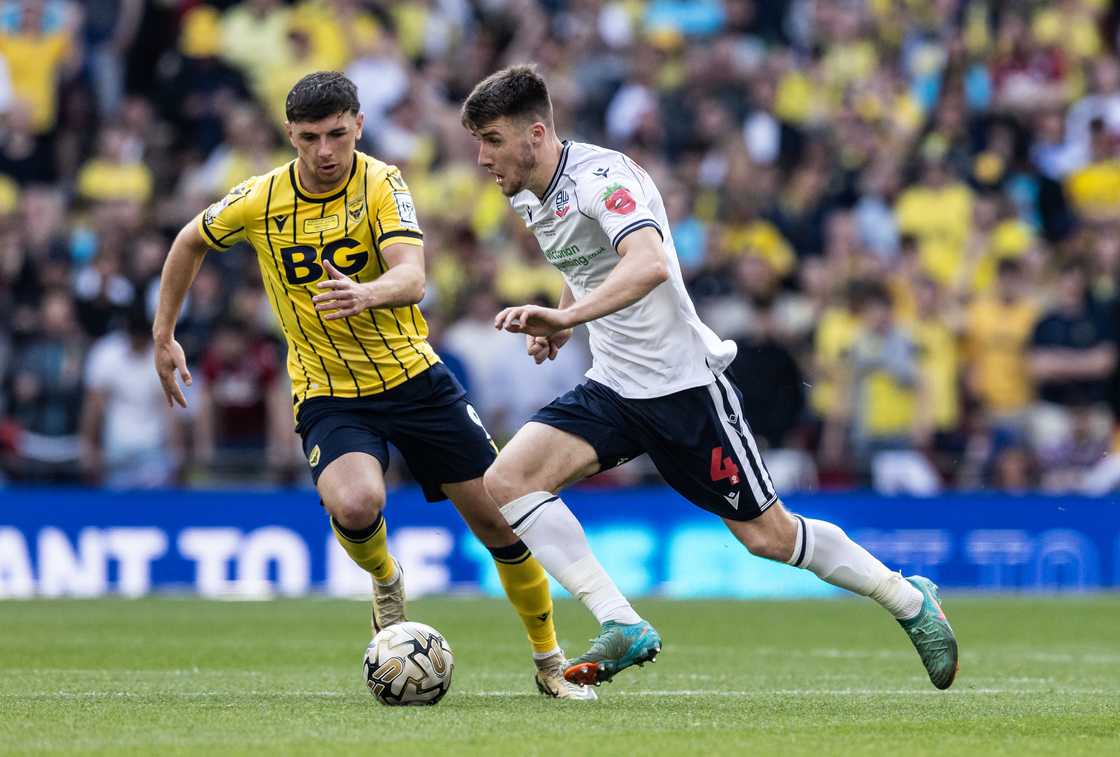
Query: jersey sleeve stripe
x,y
399,233
214,241
628,230
229,234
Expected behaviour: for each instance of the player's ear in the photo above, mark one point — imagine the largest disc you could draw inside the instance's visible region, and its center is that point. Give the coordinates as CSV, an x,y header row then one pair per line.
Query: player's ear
x,y
358,123
288,129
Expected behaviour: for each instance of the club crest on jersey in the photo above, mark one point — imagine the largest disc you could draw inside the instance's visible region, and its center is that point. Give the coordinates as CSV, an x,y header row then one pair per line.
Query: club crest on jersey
x,y
617,199
355,210
562,204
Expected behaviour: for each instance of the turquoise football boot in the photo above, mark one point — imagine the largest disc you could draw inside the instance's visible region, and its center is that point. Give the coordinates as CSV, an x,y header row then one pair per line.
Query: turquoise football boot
x,y
617,647
932,635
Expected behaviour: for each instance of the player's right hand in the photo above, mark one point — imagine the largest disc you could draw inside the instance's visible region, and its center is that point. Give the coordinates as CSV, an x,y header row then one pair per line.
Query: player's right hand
x,y
169,361
543,348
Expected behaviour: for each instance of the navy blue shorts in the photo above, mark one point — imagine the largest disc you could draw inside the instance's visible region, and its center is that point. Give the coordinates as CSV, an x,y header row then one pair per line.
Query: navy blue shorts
x,y
697,439
427,418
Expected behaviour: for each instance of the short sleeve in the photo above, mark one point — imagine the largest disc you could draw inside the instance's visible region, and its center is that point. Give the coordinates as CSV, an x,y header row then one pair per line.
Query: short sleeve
x,y
395,212
223,223
618,202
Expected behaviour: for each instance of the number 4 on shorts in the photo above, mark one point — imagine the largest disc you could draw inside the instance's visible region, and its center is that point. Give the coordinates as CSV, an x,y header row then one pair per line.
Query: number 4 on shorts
x,y
723,467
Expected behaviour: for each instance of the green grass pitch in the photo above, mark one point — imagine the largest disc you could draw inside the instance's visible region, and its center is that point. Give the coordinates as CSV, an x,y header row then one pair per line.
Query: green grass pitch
x,y
172,676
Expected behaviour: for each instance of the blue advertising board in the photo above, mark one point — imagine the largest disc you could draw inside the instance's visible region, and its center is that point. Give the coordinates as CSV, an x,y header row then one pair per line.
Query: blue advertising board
x,y
56,542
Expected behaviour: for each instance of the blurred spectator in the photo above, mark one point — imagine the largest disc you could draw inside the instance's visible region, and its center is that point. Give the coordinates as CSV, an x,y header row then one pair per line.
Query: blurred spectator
x,y
1094,189
254,38
769,378
244,418
1066,462
1072,357
116,174
46,398
890,414
1073,349
874,219
997,333
1101,104
197,86
110,28
103,291
130,440
935,330
937,211
481,347
517,387
1028,71
37,41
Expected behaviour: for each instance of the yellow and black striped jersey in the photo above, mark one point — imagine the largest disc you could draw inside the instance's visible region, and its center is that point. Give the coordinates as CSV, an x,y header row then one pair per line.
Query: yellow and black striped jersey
x,y
293,231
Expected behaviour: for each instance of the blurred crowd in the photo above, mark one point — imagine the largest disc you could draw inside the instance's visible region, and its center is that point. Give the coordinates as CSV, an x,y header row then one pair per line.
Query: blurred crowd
x,y
905,212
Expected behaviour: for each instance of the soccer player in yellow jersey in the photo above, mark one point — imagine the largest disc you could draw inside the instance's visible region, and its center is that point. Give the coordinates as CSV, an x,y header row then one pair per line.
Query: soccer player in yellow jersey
x,y
342,258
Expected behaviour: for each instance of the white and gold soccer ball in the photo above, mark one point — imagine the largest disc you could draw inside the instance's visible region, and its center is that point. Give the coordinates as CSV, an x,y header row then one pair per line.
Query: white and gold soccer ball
x,y
408,664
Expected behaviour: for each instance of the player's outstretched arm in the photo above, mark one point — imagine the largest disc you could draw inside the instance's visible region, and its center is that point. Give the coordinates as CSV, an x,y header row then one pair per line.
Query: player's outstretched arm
x,y
642,268
182,264
403,284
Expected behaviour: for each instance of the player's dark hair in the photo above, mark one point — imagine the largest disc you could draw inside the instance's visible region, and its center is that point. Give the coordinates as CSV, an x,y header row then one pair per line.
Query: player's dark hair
x,y
515,92
320,95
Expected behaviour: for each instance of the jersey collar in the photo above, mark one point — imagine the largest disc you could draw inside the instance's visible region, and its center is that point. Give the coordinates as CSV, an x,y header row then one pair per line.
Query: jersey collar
x,y
558,172
293,174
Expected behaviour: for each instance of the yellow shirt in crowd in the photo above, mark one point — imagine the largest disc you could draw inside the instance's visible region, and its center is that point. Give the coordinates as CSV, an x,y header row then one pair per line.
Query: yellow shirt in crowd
x,y
940,219
101,179
33,64
937,359
997,337
1094,191
836,332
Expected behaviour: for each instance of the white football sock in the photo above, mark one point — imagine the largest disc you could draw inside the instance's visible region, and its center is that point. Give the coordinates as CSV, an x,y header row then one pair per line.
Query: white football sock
x,y
556,539
826,550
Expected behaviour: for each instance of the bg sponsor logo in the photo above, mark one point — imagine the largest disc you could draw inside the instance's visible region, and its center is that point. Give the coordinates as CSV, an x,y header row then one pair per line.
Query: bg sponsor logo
x,y
301,266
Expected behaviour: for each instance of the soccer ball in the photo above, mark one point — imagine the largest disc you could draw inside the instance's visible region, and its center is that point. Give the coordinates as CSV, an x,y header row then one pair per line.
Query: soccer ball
x,y
408,664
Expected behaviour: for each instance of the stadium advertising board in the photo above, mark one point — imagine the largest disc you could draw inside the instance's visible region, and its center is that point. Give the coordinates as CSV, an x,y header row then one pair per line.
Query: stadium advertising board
x,y
83,543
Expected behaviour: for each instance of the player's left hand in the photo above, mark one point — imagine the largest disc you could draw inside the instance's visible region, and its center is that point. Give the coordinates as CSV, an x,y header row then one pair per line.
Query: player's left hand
x,y
344,298
532,320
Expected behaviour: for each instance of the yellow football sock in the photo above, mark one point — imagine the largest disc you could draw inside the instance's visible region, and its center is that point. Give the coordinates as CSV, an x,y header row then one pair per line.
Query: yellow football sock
x,y
369,548
526,586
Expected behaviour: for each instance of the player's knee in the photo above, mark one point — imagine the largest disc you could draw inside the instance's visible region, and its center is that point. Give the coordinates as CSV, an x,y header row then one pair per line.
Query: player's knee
x,y
502,484
356,505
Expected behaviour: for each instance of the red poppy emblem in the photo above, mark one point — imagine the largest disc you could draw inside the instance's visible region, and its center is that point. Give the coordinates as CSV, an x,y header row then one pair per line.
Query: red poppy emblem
x,y
619,201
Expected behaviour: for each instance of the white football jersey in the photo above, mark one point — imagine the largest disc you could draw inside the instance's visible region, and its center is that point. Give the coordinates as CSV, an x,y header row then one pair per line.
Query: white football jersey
x,y
658,345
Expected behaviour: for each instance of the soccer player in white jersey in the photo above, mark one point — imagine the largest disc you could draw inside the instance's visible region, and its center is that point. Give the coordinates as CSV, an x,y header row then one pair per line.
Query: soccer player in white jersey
x,y
656,386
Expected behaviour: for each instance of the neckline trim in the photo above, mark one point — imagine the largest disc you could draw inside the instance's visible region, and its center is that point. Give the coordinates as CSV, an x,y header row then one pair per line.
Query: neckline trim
x,y
293,174
558,172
